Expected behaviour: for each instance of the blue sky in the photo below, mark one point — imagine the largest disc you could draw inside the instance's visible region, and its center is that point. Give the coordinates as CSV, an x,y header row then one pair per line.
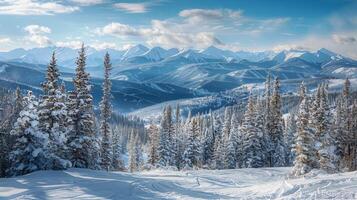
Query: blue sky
x,y
230,24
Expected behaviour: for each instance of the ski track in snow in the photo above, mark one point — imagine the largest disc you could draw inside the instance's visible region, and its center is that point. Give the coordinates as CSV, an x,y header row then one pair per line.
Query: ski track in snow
x,y
264,183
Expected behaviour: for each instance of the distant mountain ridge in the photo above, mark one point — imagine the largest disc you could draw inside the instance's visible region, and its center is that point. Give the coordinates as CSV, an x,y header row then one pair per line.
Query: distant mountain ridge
x,y
146,76
142,54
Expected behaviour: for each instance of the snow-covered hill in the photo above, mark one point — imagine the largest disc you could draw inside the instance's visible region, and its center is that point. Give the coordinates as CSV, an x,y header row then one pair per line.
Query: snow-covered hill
x,y
264,183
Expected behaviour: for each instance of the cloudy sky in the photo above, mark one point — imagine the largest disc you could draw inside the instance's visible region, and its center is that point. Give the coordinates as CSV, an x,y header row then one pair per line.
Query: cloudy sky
x,y
230,24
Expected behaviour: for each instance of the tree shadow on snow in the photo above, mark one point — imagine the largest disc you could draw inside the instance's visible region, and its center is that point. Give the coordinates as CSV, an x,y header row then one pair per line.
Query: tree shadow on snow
x,y
90,184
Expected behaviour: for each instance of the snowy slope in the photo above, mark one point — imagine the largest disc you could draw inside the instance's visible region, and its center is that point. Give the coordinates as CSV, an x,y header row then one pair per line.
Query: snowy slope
x,y
265,183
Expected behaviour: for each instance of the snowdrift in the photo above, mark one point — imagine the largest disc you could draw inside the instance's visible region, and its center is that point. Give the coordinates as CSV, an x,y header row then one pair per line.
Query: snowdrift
x,y
265,183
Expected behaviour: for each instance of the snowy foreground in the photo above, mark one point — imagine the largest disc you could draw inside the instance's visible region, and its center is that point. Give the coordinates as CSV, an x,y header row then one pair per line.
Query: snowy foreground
x,y
267,183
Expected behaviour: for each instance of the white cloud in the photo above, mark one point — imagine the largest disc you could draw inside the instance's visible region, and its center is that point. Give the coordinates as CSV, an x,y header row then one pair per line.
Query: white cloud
x,y
37,29
342,39
118,29
40,40
132,7
103,45
36,34
331,42
75,44
160,33
5,40
34,7
196,16
196,28
87,2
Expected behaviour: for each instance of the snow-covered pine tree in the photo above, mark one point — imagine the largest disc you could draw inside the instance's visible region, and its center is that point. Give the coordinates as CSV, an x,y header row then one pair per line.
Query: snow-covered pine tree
x,y
52,113
227,123
192,153
268,121
304,140
165,139
218,126
138,150
176,138
354,119
6,139
105,115
218,154
117,161
153,133
339,128
343,126
135,153
252,149
238,139
83,142
131,155
208,142
316,115
290,137
277,128
264,137
28,152
328,160
230,155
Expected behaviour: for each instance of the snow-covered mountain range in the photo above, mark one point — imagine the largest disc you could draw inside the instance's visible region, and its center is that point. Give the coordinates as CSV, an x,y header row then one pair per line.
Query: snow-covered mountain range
x,y
146,76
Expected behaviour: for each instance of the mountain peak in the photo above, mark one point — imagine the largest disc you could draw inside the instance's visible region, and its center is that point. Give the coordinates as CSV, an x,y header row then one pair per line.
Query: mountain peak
x,y
136,50
327,52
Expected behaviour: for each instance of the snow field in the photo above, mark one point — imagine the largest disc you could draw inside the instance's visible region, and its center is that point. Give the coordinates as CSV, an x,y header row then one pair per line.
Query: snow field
x,y
263,183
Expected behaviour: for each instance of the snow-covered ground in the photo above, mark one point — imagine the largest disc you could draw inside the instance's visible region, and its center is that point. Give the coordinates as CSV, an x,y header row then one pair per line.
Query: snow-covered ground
x,y
266,183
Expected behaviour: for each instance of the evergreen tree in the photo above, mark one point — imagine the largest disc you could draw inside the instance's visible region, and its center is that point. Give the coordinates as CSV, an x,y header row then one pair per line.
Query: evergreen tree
x,y
192,153
268,123
153,133
276,131
135,153
83,141
165,139
328,160
304,141
117,161
227,123
238,137
264,137
218,153
28,152
6,139
106,111
52,113
316,116
252,149
230,155
290,137
208,142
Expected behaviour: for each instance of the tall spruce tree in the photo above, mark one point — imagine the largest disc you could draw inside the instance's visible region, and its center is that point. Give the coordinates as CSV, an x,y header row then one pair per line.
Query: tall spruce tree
x,y
6,139
277,127
304,140
117,148
328,159
238,137
52,113
84,141
153,133
268,124
105,115
290,137
252,148
165,139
